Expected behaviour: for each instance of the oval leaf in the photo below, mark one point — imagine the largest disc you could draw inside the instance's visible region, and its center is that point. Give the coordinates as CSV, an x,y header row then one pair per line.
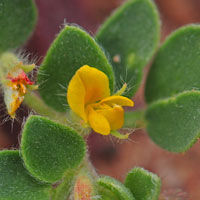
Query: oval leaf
x,y
109,189
174,123
17,20
131,36
144,185
72,49
176,66
49,149
15,181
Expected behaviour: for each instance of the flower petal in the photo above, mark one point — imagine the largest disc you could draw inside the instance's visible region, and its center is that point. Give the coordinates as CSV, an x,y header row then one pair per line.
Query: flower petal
x,y
114,115
98,122
76,96
88,85
12,99
119,100
96,84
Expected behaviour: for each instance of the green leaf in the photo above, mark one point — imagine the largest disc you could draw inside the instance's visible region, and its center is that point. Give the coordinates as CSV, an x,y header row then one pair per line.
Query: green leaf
x,y
144,185
174,123
15,181
49,149
176,66
110,189
17,20
72,49
130,36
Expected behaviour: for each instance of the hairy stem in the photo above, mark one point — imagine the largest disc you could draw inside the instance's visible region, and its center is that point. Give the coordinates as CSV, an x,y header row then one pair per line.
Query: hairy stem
x,y
135,119
36,103
64,190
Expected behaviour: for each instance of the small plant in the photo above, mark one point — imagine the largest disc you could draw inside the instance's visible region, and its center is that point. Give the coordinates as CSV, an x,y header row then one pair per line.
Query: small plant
x,y
84,84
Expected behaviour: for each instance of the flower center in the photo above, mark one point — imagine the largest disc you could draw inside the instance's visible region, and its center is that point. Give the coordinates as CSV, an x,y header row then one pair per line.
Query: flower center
x,y
19,83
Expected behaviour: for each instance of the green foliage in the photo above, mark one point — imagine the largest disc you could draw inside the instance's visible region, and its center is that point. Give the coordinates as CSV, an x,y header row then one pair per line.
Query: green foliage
x,y
174,123
49,149
176,66
15,181
130,36
17,20
144,185
72,49
109,188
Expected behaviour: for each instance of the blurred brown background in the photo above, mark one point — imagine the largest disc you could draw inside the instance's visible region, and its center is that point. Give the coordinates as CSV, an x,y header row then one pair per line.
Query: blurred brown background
x,y
179,172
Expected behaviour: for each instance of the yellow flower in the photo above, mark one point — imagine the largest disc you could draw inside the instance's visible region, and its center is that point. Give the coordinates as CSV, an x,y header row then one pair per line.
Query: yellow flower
x,y
89,97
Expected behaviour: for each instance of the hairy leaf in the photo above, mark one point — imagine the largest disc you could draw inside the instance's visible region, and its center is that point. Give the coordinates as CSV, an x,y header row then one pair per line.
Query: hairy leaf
x,y
49,149
176,66
15,181
109,188
130,37
17,20
144,185
174,123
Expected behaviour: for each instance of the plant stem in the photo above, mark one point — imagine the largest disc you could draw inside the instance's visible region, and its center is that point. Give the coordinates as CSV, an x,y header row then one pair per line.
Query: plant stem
x,y
35,102
135,119
65,188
